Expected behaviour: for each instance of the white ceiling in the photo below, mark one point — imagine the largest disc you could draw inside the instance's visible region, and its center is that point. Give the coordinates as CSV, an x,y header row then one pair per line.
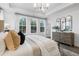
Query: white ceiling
x,y
53,7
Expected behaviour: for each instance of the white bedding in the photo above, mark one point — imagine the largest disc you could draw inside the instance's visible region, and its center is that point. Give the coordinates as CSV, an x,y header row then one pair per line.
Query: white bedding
x,y
35,45
48,47
23,50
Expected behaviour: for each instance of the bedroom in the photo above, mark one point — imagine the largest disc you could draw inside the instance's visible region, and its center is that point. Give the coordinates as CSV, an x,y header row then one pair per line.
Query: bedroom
x,y
36,25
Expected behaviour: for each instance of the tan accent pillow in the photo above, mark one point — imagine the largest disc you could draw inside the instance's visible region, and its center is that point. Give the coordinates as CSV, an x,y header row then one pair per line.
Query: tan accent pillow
x,y
12,40
16,39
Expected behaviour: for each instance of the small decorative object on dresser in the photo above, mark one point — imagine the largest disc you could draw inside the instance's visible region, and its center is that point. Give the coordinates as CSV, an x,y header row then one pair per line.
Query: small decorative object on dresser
x,y
64,37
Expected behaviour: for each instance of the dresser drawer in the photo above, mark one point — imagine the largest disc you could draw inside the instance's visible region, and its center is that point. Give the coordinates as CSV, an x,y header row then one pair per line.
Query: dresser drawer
x,y
67,38
56,36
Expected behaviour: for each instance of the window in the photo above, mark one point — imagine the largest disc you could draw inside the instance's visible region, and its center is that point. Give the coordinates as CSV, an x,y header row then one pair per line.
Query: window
x,y
33,26
42,25
22,24
1,14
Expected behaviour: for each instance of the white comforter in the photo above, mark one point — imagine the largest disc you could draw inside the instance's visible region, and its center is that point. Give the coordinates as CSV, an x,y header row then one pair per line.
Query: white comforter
x,y
35,45
48,47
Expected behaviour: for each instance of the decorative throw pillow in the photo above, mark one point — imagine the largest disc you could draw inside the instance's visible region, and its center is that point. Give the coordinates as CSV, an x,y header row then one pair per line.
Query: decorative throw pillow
x,y
12,40
16,38
22,37
9,41
2,43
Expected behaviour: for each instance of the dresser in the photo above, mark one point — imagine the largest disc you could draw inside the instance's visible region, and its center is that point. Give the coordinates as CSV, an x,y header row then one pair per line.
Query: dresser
x,y
64,37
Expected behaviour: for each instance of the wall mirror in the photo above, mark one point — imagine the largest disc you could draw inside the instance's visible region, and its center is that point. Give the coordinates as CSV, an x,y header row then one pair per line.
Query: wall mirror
x,y
69,23
58,20
63,24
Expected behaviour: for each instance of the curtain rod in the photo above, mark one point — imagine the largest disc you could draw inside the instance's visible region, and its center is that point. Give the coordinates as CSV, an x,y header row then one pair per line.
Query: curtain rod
x,y
30,16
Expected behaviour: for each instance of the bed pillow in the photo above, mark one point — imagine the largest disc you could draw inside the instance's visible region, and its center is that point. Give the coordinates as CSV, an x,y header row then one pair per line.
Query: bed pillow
x,y
12,40
16,38
2,43
22,37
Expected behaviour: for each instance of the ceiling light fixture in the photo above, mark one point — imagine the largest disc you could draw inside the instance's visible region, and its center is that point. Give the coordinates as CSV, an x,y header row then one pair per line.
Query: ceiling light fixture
x,y
41,6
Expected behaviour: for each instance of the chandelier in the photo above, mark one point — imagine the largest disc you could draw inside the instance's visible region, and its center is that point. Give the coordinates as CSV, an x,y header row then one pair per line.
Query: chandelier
x,y
41,6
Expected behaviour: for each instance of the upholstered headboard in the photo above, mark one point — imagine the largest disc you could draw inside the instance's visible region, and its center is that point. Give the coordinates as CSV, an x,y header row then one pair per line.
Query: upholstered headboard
x,y
1,25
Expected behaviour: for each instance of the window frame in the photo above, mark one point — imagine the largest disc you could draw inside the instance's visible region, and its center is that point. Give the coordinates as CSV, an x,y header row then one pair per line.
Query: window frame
x,y
22,23
33,26
42,21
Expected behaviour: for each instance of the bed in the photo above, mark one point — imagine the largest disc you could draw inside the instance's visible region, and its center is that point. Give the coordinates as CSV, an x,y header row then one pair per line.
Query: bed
x,y
35,45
